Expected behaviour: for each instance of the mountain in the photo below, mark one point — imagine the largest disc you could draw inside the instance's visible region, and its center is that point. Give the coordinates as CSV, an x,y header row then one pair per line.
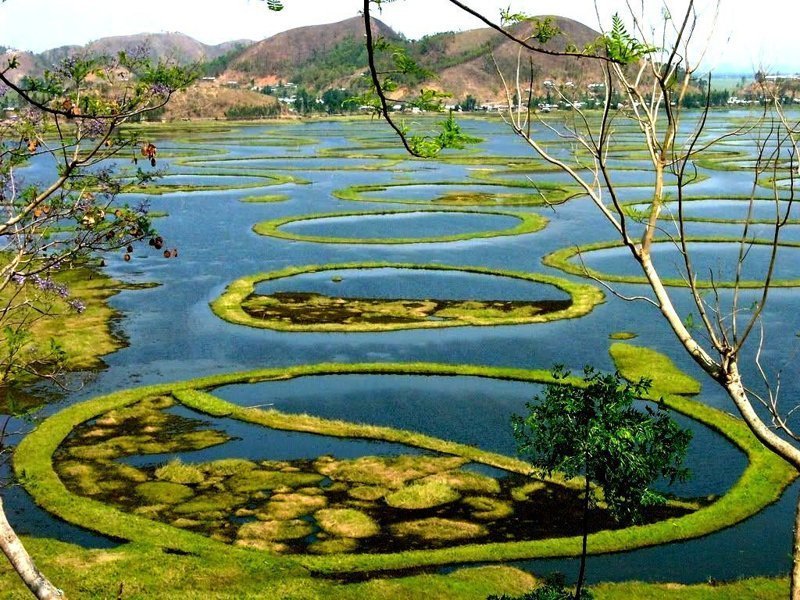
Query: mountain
x,y
329,56
318,55
173,46
332,56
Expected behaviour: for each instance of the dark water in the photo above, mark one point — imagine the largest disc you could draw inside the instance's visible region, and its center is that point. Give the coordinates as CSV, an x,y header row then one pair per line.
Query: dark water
x,y
172,334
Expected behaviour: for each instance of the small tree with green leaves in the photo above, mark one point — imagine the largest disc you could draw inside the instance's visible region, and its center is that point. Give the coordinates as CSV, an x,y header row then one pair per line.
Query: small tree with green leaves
x,y
591,429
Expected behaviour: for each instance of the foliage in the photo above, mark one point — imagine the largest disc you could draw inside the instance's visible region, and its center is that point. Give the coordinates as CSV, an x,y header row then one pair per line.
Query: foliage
x,y
595,431
244,111
621,46
67,124
69,121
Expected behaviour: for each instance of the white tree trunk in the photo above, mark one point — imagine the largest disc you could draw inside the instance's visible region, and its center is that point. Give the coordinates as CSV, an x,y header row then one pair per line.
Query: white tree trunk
x,y
794,593
22,562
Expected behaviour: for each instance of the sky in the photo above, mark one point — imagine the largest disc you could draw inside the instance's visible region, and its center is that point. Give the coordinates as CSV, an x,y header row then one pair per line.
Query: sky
x,y
748,35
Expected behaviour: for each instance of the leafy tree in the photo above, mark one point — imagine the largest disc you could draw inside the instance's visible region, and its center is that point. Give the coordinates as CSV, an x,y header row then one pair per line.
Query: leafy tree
x,y
592,430
470,103
68,121
336,100
304,102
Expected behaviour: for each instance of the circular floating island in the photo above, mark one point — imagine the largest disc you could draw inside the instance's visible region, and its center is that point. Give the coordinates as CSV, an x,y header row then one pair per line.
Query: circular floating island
x,y
708,254
329,298
448,193
351,228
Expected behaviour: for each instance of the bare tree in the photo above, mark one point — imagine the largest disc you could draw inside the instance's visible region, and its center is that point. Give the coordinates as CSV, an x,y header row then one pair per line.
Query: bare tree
x,y
67,123
651,68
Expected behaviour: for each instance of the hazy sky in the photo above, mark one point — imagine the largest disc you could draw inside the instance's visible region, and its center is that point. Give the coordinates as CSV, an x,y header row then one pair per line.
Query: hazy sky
x,y
749,33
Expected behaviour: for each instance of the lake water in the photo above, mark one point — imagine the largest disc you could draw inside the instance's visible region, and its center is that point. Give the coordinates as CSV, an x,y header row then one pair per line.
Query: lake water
x,y
171,333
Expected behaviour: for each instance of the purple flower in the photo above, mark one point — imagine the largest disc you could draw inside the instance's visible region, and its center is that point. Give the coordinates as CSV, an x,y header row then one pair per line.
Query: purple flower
x,y
94,128
77,306
48,285
160,89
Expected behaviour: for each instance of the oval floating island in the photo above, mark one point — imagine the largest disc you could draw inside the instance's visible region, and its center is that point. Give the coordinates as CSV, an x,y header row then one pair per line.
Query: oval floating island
x,y
75,464
708,255
349,227
329,309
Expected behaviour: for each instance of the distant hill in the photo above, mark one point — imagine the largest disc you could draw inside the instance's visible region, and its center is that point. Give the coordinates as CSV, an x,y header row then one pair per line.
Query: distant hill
x,y
318,56
331,56
327,56
173,46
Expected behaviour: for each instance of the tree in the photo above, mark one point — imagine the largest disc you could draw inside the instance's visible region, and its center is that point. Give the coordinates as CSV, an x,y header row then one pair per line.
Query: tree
x,y
68,121
647,63
470,103
593,430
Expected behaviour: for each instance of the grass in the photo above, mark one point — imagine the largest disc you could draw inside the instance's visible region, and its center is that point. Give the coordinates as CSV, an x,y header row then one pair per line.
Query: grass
x,y
229,306
346,523
422,496
84,337
438,529
540,194
623,335
157,189
489,509
635,362
391,472
276,530
282,507
176,471
266,198
528,223
561,259
163,492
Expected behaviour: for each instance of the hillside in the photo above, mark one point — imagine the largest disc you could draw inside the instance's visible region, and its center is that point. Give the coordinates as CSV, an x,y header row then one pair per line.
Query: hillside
x,y
333,56
169,46
318,56
330,56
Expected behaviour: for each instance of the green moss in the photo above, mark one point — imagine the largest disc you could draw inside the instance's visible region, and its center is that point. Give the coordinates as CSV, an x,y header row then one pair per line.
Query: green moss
x,y
266,198
622,335
562,259
163,492
439,530
333,546
346,523
528,223
368,493
422,495
284,507
465,482
256,479
275,530
231,306
227,466
635,362
389,472
488,509
178,472
209,502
